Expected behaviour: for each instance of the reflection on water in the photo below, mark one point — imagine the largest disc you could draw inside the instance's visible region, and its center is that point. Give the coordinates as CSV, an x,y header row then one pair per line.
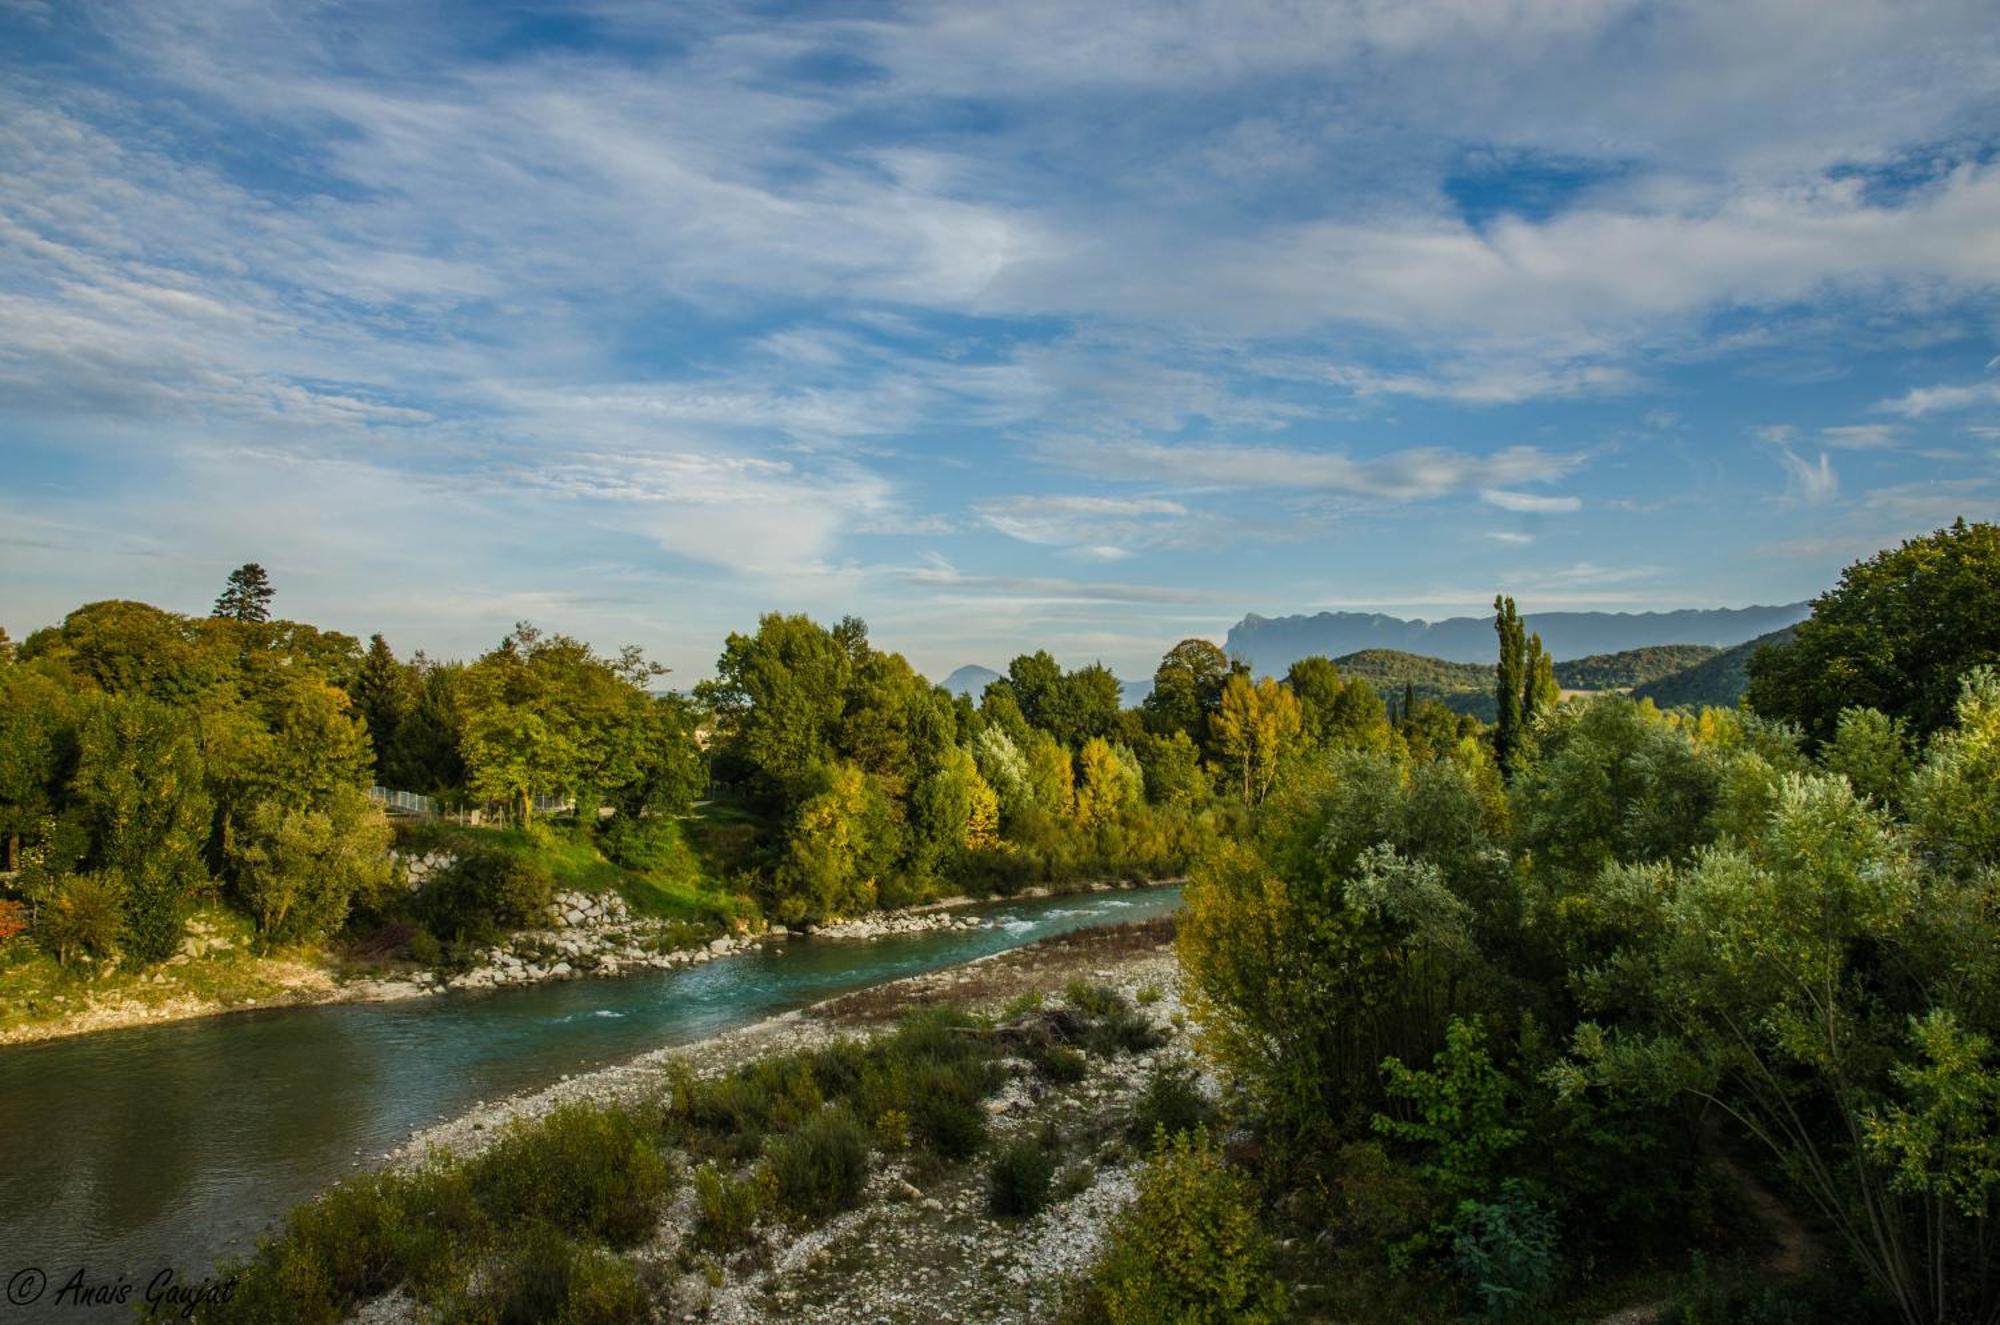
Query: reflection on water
x,y
172,1145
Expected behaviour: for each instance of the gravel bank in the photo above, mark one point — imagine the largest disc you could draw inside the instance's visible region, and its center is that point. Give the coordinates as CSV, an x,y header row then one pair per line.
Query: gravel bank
x,y
922,1247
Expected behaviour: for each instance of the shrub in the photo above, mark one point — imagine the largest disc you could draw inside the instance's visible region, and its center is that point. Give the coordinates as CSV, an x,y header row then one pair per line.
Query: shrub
x,y
13,919
1114,1026
1739,1296
1505,1252
821,1168
584,1169
1171,1102
359,1239
1188,1249
485,890
1059,1063
425,950
731,1115
726,1208
1018,1183
544,1277
945,1113
83,919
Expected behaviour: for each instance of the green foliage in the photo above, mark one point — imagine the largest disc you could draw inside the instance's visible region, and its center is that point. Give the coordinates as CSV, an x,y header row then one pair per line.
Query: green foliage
x,y
1187,690
1632,667
1505,1251
584,1169
821,1168
1871,750
727,1209
1188,1250
1896,635
486,890
82,917
1019,1181
297,870
139,792
543,1276
1954,797
1170,1103
1455,1115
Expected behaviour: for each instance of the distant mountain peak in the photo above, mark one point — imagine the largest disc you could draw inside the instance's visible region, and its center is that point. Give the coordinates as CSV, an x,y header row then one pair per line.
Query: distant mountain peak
x,y
970,679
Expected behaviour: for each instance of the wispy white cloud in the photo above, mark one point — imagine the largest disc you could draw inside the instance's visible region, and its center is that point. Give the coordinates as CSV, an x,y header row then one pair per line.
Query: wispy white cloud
x,y
1412,475
1529,502
1862,436
1811,483
1921,400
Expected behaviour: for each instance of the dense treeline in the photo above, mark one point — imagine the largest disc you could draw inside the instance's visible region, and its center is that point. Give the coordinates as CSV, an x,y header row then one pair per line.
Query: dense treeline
x,y
1498,1022
151,763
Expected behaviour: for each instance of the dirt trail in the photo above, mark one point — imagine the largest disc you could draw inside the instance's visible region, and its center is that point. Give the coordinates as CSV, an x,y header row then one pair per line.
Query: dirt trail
x,y
1794,1249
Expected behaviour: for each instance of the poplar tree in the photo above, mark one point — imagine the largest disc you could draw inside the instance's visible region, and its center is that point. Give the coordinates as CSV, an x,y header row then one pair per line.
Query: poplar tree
x,y
1510,684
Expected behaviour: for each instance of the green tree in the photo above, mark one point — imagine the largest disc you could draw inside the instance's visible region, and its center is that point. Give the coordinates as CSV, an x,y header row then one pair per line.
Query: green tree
x,y
1896,635
298,870
1337,712
383,696
247,596
140,792
1509,686
1187,689
1255,728
1188,1250
779,697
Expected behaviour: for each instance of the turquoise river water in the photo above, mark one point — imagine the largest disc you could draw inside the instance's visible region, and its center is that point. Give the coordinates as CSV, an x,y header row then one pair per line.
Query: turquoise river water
x,y
130,1151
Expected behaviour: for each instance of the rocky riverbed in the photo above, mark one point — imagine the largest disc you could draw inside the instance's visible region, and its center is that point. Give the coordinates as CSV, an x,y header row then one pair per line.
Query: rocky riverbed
x,y
922,1247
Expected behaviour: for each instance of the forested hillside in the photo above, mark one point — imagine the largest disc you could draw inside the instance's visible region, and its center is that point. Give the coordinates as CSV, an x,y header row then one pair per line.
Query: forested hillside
x,y
1717,681
1633,667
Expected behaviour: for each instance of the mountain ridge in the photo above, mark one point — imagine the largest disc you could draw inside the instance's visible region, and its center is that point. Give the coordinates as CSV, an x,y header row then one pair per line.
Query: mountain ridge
x,y
1272,644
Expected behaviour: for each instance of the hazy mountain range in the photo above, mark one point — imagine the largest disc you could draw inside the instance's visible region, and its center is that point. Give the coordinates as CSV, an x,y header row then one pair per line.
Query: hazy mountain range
x,y
1272,644
1381,648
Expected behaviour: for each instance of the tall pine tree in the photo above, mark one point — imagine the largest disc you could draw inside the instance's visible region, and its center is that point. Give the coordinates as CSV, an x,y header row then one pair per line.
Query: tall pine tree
x,y
247,596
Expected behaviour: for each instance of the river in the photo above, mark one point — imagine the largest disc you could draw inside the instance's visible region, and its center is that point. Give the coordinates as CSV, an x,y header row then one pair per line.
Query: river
x,y
129,1151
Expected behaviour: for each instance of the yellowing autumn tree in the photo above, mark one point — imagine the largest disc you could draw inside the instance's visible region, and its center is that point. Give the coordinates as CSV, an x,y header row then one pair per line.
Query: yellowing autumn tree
x,y
1104,784
1256,726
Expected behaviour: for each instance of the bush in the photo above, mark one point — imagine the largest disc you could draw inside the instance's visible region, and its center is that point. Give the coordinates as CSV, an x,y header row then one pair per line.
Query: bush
x,y
726,1208
1114,1025
1188,1250
1018,1183
822,1168
1059,1063
584,1169
83,919
359,1239
731,1115
945,1113
1171,1103
544,1277
1505,1252
486,890
425,950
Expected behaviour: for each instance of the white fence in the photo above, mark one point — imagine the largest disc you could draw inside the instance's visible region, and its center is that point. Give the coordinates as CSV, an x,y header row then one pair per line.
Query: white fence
x,y
409,802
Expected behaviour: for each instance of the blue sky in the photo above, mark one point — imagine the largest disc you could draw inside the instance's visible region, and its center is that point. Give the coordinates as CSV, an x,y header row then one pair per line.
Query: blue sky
x,y
1001,325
